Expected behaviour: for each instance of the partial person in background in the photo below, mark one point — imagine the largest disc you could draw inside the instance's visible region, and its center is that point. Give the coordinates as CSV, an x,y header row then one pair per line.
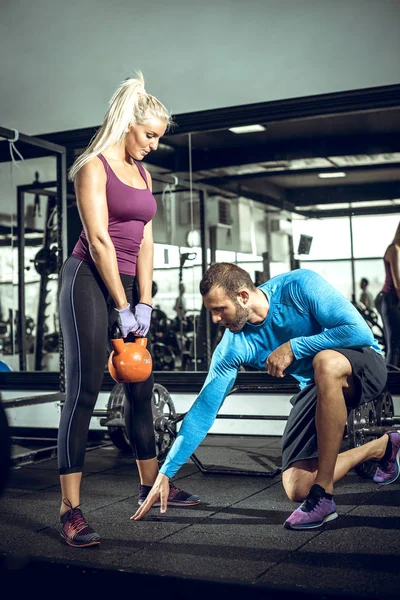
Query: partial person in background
x,y
388,300
366,297
180,303
108,278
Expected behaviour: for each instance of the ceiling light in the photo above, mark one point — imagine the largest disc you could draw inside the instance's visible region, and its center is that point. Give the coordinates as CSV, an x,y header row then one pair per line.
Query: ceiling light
x,y
333,174
247,129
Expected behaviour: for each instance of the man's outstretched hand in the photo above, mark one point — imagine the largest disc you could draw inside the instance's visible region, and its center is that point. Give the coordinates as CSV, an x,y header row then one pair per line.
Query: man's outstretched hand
x,y
159,491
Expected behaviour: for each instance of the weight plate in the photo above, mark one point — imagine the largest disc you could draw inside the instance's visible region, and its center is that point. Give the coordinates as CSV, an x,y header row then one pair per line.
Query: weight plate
x,y
384,409
163,419
164,416
362,417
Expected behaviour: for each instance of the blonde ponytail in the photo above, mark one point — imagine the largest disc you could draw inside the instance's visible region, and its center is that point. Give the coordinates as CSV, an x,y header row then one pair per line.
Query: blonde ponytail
x,y
129,105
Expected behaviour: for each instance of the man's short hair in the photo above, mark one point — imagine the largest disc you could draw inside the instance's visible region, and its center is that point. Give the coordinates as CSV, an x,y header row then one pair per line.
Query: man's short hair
x,y
227,276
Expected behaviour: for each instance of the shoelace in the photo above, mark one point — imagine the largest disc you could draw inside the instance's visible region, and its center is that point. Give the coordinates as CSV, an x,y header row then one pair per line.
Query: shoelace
x,y
77,520
311,503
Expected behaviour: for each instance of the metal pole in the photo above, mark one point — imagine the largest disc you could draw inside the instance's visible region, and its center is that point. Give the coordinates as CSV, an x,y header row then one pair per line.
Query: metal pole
x,y
353,277
62,243
21,327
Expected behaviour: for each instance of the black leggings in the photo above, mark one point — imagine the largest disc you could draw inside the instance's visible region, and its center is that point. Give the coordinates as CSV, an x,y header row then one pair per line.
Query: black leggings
x,y
388,307
86,316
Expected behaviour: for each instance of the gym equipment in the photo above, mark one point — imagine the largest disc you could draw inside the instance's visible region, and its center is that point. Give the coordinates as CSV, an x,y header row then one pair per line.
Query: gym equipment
x,y
368,422
165,422
370,316
129,361
45,261
164,417
359,422
364,423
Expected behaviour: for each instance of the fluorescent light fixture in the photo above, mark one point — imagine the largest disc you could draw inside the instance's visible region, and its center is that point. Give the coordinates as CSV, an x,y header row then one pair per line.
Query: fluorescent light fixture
x,y
331,175
247,129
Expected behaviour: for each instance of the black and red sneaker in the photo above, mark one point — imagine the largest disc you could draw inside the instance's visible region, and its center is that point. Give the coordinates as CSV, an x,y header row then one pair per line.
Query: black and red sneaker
x,y
75,530
176,496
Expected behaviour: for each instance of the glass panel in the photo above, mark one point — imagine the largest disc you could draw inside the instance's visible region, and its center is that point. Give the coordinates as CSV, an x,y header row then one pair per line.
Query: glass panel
x,y
372,234
240,225
30,222
330,238
372,270
338,273
177,263
8,291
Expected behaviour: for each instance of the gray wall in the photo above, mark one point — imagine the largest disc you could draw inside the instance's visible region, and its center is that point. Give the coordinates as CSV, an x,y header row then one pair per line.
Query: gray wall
x,y
61,60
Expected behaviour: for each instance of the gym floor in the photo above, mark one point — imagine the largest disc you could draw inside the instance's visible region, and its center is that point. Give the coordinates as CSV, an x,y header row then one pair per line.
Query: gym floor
x,y
232,543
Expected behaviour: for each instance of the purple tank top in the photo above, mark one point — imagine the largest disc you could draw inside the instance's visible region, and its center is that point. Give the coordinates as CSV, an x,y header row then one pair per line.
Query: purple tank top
x,y
388,286
129,209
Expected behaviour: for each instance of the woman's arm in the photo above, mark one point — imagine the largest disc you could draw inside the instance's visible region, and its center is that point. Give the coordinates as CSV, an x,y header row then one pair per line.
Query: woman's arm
x,y
144,266
145,260
90,188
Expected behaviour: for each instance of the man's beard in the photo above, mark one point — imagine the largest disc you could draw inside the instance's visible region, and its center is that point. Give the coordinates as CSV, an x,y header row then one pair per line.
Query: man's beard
x,y
240,319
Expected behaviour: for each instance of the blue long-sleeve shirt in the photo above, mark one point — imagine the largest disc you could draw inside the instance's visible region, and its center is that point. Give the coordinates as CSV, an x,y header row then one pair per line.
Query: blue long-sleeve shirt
x,y
303,309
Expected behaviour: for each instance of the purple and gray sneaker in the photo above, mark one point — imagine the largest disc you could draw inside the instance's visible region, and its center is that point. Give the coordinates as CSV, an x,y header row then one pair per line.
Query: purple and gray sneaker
x,y
75,530
389,467
318,508
176,496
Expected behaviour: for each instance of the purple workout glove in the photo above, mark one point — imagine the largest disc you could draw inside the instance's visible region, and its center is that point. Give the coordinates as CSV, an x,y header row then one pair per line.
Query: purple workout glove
x,y
143,317
127,321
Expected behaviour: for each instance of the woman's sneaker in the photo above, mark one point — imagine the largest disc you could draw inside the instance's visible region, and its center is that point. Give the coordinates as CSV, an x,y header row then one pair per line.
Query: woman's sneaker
x,y
75,530
389,467
176,496
318,508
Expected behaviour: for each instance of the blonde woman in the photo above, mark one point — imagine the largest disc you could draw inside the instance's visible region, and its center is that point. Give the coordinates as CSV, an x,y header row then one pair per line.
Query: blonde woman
x,y
387,301
108,278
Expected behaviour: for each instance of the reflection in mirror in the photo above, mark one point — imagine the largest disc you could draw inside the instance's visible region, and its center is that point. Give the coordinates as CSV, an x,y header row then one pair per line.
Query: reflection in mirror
x,y
330,182
29,317
177,262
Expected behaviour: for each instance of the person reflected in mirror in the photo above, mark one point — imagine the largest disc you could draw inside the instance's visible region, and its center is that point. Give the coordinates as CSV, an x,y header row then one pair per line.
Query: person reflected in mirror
x,y
294,324
366,297
108,278
387,301
180,303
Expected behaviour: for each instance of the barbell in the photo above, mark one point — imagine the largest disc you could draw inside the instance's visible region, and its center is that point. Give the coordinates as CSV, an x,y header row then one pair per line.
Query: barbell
x,y
365,423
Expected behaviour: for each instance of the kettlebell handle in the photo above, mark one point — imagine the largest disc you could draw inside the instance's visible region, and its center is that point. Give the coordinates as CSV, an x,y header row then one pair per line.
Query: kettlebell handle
x,y
116,334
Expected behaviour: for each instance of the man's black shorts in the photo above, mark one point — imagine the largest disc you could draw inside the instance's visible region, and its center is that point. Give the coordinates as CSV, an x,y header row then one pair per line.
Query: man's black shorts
x,y
299,440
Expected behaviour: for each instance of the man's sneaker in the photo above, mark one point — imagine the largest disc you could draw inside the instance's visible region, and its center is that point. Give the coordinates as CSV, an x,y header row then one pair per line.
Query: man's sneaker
x,y
176,496
75,529
317,509
389,467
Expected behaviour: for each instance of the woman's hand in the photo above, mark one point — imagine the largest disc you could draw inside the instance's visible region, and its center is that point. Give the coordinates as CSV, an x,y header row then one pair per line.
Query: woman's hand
x,y
127,321
143,316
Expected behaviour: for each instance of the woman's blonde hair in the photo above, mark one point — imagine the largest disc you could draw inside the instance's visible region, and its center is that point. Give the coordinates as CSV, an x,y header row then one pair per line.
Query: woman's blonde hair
x,y
129,105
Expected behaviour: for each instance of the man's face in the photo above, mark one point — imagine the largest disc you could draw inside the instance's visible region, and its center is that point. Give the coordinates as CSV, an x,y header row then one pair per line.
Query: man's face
x,y
226,312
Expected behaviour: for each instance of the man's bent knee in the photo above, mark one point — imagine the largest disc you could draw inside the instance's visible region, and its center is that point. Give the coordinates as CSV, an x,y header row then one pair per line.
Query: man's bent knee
x,y
331,365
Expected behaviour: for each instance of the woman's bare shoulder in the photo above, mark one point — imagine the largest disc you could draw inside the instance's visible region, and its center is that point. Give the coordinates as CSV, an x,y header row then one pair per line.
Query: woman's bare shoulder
x,y
93,168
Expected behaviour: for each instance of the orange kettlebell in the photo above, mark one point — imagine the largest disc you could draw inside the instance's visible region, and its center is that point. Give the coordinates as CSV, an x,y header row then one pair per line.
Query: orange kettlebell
x,y
131,361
